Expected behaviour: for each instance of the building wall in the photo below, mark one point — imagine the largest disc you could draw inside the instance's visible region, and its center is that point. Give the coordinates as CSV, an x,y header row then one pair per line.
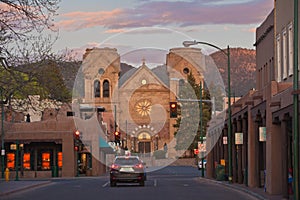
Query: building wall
x,y
47,131
270,105
284,33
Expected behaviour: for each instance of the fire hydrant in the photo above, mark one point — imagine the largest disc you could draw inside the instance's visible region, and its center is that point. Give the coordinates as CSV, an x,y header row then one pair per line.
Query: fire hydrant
x,y
6,174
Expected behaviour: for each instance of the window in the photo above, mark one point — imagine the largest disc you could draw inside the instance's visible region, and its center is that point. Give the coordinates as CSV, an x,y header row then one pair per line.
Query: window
x,y
106,88
278,60
26,161
290,49
10,160
96,88
284,54
59,159
186,70
46,160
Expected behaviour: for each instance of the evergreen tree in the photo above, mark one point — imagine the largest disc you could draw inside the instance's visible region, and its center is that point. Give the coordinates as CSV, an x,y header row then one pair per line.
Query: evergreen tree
x,y
188,122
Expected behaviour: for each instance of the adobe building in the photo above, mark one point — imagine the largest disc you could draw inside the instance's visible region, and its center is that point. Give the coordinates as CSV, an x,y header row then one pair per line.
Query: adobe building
x,y
46,148
264,156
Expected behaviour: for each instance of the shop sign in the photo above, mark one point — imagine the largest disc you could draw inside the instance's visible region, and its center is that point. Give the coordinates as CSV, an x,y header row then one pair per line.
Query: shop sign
x,y
238,138
13,147
262,134
223,162
225,140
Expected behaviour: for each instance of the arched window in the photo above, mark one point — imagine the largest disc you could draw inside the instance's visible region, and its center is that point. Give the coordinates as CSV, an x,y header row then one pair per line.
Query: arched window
x,y
106,88
96,88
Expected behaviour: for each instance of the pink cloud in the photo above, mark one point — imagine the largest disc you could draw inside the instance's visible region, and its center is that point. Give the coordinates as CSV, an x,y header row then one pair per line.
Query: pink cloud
x,y
115,31
167,13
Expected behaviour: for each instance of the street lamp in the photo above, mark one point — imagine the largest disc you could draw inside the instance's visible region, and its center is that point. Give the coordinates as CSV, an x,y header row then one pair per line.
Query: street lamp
x,y
2,133
6,67
296,105
227,53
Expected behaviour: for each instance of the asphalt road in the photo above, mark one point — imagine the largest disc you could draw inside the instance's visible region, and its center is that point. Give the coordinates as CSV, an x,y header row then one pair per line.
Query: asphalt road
x,y
170,183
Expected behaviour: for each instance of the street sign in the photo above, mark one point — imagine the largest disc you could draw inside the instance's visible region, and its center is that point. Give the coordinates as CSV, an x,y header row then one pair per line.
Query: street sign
x,y
202,146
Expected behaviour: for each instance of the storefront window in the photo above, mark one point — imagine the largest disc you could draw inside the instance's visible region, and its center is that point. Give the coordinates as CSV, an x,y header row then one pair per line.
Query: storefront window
x,y
46,161
10,160
26,161
59,159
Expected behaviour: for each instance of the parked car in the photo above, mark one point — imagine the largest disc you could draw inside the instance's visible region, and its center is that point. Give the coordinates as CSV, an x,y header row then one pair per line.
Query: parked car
x,y
127,169
200,164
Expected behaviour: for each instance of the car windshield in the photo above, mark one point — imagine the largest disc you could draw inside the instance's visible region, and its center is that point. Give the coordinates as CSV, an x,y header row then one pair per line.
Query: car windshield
x,y
127,161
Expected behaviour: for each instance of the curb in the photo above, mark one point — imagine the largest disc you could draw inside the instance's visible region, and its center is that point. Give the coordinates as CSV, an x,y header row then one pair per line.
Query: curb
x,y
231,186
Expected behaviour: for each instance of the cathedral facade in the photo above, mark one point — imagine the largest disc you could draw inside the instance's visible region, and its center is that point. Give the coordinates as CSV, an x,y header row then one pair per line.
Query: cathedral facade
x,y
137,99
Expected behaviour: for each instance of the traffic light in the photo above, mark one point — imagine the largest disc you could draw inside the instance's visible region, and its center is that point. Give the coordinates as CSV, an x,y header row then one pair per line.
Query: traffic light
x,y
117,137
196,151
77,135
76,140
173,109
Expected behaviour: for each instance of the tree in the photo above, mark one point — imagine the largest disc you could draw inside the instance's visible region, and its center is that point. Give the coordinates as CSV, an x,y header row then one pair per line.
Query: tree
x,y
188,123
21,18
219,94
27,34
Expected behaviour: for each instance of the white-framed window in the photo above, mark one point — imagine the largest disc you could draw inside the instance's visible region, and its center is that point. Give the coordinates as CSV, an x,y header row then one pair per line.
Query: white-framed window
x,y
278,58
291,49
284,54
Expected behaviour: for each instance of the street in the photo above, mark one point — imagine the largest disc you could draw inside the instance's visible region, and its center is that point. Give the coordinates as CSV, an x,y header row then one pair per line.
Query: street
x,y
172,182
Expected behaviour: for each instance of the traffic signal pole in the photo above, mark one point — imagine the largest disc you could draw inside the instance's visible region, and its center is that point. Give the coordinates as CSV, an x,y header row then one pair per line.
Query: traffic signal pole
x,y
201,131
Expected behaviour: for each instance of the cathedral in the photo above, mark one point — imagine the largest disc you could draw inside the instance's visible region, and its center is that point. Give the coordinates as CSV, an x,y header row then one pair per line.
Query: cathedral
x,y
137,99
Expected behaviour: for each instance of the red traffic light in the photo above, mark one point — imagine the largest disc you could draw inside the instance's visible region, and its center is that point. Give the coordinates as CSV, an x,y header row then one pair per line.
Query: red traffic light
x,y
173,105
196,151
173,109
77,134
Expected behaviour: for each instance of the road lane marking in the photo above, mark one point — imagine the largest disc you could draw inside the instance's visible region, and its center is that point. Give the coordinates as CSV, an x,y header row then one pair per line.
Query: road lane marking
x,y
155,182
105,184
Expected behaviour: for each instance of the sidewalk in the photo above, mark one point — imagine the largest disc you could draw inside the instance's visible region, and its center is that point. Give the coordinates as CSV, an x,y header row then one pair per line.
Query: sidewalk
x,y
12,186
258,193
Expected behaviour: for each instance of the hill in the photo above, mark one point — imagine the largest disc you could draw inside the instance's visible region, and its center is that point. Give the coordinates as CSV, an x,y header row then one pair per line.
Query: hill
x,y
242,69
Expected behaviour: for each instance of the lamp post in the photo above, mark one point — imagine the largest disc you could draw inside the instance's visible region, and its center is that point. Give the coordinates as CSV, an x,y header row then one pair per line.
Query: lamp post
x,y
296,105
6,67
2,134
227,53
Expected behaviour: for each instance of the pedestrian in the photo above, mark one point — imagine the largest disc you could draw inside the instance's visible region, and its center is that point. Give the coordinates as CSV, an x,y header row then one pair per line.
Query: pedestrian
x,y
290,181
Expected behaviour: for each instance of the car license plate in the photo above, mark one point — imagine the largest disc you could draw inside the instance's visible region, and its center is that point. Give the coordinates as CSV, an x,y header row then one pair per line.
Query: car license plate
x,y
126,169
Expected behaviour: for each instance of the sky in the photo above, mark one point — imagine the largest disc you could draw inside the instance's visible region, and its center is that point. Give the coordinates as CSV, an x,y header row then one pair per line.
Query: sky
x,y
137,27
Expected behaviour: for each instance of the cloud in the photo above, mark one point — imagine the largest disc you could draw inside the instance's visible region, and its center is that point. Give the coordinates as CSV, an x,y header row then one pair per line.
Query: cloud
x,y
171,13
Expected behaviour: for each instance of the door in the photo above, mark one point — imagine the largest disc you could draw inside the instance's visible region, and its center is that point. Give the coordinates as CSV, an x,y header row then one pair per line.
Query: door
x,y
144,147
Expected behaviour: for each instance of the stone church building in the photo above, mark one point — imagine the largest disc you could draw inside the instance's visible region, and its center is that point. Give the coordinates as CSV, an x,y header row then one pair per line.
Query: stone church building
x,y
137,99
